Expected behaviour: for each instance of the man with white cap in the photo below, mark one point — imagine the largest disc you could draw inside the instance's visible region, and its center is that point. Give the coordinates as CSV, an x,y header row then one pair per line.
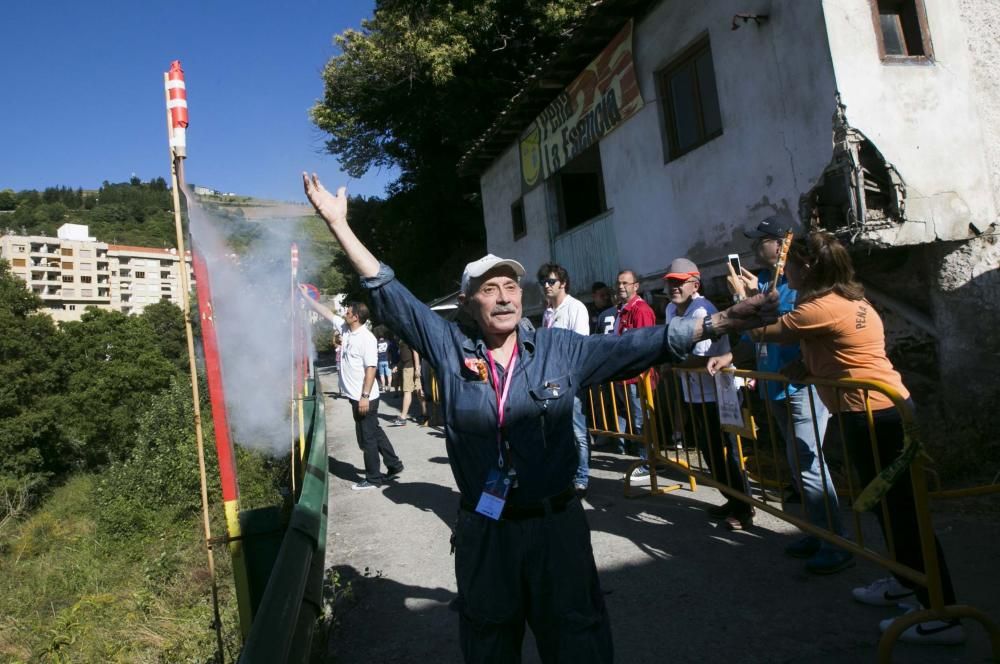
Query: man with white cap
x,y
522,544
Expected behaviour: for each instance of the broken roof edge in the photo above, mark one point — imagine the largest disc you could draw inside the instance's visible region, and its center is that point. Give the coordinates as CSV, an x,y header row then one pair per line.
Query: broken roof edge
x,y
584,41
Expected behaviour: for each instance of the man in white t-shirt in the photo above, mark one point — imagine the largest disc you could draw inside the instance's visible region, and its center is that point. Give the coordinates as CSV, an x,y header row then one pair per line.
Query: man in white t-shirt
x,y
568,313
358,362
683,281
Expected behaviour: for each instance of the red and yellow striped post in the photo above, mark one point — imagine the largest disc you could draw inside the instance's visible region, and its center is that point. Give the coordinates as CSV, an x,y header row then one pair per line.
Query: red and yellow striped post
x,y
298,374
177,122
223,439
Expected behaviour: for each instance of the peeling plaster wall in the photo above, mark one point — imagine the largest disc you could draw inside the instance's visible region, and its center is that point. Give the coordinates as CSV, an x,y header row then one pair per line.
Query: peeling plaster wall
x,y
966,303
983,45
924,118
775,141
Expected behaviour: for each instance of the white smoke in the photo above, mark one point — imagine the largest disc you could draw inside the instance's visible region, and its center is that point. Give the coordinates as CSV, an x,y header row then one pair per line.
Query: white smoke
x,y
252,297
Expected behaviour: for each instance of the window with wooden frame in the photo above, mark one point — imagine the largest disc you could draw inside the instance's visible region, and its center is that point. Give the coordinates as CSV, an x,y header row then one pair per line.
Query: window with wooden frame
x,y
690,101
518,223
579,187
901,30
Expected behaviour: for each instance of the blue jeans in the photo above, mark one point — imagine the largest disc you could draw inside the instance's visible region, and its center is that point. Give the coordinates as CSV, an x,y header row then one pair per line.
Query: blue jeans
x,y
810,473
635,409
582,444
383,370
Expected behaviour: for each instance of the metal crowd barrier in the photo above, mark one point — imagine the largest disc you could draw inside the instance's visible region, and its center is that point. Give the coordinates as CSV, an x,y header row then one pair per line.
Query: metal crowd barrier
x,y
665,411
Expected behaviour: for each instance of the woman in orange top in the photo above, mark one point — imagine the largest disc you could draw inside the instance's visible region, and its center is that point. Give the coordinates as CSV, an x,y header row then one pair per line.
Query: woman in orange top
x,y
841,336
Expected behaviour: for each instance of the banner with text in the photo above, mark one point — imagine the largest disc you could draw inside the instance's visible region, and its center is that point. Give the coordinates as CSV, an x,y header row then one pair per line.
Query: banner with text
x,y
604,95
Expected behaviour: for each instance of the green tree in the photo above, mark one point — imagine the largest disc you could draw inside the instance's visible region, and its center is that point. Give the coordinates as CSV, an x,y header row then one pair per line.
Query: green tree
x,y
31,442
114,365
8,201
167,322
412,89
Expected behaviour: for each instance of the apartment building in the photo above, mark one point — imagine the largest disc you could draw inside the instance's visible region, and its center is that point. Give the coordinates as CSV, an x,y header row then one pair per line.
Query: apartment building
x,y
73,271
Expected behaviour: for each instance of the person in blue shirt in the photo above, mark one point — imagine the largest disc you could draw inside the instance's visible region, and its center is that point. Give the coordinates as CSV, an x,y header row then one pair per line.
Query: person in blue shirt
x,y
798,412
522,543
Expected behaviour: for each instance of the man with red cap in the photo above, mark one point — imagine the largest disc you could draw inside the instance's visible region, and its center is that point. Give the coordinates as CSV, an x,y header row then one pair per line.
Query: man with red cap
x,y
683,281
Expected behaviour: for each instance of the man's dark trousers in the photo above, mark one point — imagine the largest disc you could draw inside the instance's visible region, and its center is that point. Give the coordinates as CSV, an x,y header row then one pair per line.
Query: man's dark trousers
x,y
373,441
538,571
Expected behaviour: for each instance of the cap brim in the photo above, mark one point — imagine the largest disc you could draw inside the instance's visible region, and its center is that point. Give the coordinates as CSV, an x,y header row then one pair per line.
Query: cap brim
x,y
757,235
681,276
512,264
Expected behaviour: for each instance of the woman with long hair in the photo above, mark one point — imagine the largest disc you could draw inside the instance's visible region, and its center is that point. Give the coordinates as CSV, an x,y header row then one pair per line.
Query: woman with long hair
x,y
841,336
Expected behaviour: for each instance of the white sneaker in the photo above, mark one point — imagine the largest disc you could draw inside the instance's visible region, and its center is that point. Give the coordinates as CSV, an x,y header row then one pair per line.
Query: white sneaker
x,y
640,475
932,632
883,592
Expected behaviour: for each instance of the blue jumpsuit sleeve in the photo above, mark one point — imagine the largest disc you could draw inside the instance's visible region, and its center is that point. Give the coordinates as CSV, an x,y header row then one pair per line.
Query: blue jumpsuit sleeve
x,y
604,357
411,319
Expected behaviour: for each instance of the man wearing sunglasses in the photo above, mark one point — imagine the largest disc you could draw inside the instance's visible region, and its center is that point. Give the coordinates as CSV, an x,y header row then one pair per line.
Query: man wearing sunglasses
x,y
568,313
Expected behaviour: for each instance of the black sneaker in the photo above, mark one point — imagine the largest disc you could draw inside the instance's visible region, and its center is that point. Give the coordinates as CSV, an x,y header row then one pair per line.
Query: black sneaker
x,y
398,422
364,485
393,473
806,548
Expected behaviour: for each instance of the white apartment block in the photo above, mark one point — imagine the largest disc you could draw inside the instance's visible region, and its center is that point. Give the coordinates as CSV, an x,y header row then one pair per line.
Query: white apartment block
x,y
73,271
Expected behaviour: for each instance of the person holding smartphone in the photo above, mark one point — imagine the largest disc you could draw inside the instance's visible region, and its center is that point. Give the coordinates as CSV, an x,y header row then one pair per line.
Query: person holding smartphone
x,y
842,336
798,411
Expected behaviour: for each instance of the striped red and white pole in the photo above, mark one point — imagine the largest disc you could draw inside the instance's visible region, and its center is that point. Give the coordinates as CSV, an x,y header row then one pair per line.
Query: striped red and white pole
x,y
177,103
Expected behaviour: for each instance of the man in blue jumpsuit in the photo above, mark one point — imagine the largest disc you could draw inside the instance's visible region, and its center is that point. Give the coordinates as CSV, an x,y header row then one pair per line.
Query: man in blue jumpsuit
x,y
522,544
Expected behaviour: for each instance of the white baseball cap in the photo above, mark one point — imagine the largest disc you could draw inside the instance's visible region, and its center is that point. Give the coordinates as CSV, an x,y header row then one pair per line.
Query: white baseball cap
x,y
476,269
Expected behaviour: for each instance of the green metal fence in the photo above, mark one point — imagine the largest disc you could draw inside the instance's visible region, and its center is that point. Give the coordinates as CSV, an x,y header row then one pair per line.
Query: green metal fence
x,y
291,600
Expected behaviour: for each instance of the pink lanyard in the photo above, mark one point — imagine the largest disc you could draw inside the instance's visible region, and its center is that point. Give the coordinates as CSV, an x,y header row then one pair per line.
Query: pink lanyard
x,y
501,394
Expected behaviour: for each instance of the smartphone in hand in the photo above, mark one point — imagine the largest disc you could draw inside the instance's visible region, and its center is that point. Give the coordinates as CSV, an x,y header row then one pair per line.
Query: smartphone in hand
x,y
734,260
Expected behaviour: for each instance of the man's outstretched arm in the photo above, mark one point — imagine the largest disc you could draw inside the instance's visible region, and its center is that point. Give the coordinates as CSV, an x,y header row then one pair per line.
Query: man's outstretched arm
x,y
320,309
333,210
423,329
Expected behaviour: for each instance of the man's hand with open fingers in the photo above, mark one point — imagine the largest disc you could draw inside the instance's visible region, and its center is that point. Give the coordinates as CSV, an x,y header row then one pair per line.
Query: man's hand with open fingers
x,y
332,208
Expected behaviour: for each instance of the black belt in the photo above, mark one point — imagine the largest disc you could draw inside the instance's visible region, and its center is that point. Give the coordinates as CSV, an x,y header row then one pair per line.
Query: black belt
x,y
552,505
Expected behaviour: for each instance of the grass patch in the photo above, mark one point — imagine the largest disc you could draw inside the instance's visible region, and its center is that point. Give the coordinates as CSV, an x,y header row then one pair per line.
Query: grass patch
x,y
71,593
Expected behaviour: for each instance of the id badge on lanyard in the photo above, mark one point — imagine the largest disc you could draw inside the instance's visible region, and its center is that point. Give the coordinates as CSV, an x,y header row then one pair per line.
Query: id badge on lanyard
x,y
501,479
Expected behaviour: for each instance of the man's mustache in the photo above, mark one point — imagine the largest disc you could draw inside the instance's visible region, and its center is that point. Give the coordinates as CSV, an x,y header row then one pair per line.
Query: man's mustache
x,y
503,309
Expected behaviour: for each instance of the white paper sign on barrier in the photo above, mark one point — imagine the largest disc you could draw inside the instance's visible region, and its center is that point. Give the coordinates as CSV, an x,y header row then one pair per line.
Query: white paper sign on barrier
x,y
730,410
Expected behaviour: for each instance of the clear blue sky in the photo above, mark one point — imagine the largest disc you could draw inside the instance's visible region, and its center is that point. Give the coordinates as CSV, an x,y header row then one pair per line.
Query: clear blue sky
x,y
83,92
